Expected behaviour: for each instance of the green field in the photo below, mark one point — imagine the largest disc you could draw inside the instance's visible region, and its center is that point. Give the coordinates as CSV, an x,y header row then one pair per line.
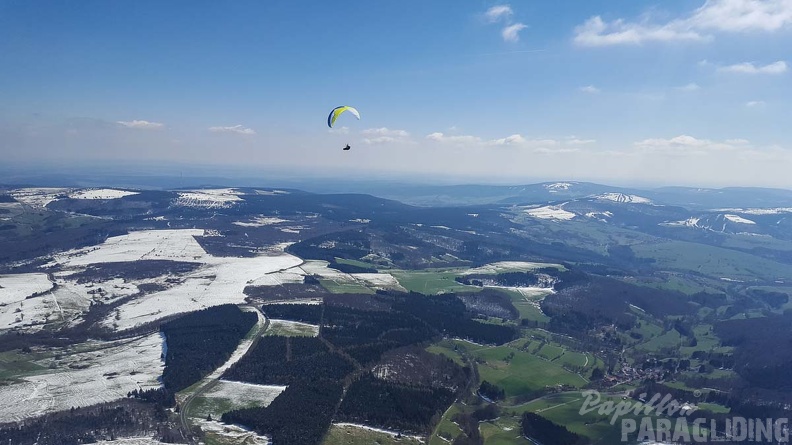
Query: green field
x,y
523,373
344,287
431,282
713,261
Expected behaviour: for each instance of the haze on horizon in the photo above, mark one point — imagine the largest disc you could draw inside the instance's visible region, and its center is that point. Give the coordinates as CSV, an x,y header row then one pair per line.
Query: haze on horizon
x,y
678,93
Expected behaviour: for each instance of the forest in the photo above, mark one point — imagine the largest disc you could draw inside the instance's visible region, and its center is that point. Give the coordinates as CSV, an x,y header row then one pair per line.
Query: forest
x,y
279,360
199,342
394,406
91,424
306,313
546,432
299,416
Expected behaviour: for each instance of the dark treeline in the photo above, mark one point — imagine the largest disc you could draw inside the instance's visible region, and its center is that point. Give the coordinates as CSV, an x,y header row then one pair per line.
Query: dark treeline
x,y
90,424
763,349
300,415
159,396
513,279
469,424
492,392
279,360
351,268
546,432
393,406
490,303
199,342
449,315
413,365
133,270
306,313
348,244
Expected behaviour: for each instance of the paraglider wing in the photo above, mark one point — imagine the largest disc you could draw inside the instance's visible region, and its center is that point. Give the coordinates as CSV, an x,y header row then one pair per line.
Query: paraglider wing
x,y
337,112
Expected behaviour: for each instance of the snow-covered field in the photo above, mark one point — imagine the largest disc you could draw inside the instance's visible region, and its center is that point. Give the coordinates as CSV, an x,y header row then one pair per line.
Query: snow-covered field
x,y
509,266
738,219
621,197
101,194
231,433
292,328
554,188
132,441
18,307
767,211
107,371
177,245
226,395
208,198
550,212
378,430
260,221
38,197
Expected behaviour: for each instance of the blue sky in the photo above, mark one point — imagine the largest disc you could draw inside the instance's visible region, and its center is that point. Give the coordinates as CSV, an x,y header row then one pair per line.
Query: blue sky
x,y
673,92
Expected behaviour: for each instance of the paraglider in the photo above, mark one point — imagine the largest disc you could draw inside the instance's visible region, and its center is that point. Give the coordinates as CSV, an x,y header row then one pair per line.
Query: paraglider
x,y
337,111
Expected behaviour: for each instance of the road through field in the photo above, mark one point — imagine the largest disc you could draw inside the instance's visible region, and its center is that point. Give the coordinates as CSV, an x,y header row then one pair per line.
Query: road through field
x,y
211,380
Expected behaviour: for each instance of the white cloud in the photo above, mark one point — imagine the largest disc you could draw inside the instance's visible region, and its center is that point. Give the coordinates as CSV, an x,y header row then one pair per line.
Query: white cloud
x,y
732,16
511,33
689,87
597,32
749,68
238,129
755,103
140,124
685,144
339,130
591,89
385,136
576,141
460,139
499,12
385,132
509,140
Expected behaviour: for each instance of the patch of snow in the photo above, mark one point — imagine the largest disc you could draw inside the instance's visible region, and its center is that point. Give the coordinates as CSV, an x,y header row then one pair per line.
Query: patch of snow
x,y
738,219
550,212
271,192
38,197
509,266
293,327
220,281
360,220
208,198
378,430
101,194
244,393
175,244
14,288
234,433
474,215
759,211
133,441
690,222
379,280
623,198
104,373
442,227
600,216
553,188
260,221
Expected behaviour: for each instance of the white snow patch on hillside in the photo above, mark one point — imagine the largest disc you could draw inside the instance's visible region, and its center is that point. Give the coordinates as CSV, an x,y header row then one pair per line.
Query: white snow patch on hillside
x,y
600,216
220,281
100,194
738,219
280,327
767,211
690,222
235,434
554,188
248,394
509,266
17,287
272,192
176,245
621,197
208,198
550,212
38,197
378,430
292,275
109,371
133,441
379,280
260,221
